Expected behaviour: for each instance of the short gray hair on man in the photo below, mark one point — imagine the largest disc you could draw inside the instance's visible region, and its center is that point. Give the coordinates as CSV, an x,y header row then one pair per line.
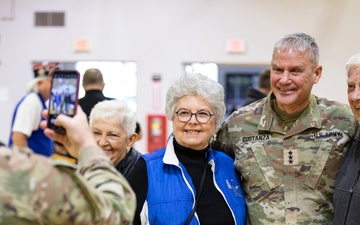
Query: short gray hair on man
x,y
196,84
353,61
299,42
114,111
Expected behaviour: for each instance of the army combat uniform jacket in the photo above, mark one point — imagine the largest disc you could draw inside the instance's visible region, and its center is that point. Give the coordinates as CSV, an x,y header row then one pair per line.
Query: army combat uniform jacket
x,y
37,191
288,174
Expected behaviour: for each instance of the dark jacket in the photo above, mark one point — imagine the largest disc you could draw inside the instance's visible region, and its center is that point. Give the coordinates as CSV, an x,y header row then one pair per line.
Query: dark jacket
x,y
253,95
126,165
347,187
91,98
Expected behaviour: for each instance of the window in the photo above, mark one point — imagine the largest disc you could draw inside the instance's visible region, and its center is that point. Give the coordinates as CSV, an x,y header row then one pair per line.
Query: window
x,y
208,69
119,77
56,19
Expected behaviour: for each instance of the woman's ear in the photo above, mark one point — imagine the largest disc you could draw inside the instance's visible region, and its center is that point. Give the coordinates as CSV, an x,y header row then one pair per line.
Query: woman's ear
x,y
132,139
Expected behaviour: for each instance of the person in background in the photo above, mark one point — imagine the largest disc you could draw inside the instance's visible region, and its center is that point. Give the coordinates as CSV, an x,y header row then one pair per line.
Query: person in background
x,y
138,131
61,153
264,89
288,146
347,186
67,101
187,182
25,130
36,190
113,125
93,84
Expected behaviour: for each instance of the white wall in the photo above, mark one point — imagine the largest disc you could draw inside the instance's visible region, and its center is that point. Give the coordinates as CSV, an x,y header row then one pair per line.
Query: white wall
x,y
160,35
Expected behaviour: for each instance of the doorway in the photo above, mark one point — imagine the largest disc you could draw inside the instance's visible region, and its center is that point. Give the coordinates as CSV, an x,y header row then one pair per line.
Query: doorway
x,y
119,77
236,80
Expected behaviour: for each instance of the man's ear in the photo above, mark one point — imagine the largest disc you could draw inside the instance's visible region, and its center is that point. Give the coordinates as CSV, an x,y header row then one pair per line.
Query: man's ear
x,y
317,73
39,83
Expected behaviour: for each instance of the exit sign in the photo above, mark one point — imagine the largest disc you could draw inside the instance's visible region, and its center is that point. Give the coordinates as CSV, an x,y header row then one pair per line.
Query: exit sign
x,y
82,45
236,46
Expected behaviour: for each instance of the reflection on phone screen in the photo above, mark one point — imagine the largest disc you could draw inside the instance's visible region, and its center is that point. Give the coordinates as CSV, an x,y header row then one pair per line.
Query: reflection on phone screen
x,y
63,98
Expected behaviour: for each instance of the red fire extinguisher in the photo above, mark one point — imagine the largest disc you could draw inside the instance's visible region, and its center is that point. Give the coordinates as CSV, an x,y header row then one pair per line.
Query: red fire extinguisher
x,y
156,132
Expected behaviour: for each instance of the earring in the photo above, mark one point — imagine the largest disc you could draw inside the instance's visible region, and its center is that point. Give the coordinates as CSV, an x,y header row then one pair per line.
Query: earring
x,y
214,137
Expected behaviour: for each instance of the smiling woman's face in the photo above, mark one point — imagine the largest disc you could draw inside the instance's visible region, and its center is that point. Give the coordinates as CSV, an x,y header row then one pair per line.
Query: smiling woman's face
x,y
112,139
193,134
353,91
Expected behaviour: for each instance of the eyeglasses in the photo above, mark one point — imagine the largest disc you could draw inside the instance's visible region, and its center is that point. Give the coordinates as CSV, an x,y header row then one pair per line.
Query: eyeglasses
x,y
184,116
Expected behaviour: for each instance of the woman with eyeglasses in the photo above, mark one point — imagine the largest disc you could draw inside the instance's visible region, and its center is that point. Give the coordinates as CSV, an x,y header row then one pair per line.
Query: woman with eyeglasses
x,y
187,182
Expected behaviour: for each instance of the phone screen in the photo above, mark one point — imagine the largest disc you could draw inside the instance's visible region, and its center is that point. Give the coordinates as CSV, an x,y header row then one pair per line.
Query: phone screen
x,y
63,96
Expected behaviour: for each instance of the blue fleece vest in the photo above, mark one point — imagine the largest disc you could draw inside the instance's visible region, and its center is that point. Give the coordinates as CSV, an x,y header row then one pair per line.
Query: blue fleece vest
x,y
171,194
37,141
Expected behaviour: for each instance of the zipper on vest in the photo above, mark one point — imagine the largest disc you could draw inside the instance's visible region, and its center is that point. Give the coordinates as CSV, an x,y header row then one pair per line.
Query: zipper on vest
x,y
354,183
351,194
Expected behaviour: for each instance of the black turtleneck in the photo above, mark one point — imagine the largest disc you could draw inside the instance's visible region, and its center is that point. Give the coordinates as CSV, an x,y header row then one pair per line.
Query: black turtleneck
x,y
194,162
212,208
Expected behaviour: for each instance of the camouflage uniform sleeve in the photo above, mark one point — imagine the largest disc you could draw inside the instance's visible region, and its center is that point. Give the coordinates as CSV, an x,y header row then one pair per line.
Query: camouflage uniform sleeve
x,y
221,141
35,190
117,194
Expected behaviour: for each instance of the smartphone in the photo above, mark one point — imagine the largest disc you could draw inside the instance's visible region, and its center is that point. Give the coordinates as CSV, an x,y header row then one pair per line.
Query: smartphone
x,y
63,96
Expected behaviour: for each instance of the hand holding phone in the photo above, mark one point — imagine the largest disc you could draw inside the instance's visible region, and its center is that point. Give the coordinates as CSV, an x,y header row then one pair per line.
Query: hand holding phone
x,y
63,96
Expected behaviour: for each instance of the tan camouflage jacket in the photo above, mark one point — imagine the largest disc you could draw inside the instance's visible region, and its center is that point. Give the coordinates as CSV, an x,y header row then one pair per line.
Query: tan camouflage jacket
x,y
288,174
36,190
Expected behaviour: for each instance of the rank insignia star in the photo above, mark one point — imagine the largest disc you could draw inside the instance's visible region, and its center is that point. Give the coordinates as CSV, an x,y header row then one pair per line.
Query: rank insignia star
x,y
290,157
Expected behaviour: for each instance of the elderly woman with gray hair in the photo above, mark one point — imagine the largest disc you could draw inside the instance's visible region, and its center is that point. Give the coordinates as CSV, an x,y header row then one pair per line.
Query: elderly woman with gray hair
x,y
187,182
347,188
113,125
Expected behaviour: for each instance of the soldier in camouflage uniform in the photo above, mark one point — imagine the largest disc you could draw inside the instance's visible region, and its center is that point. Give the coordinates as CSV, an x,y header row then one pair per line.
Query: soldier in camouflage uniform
x,y
288,145
35,190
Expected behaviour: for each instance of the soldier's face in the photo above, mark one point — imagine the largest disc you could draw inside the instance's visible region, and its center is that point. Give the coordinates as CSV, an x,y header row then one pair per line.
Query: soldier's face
x,y
193,134
292,77
353,91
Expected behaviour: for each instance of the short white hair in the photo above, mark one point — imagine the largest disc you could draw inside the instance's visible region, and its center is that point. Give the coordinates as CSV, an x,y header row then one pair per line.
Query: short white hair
x,y
115,111
354,61
196,85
